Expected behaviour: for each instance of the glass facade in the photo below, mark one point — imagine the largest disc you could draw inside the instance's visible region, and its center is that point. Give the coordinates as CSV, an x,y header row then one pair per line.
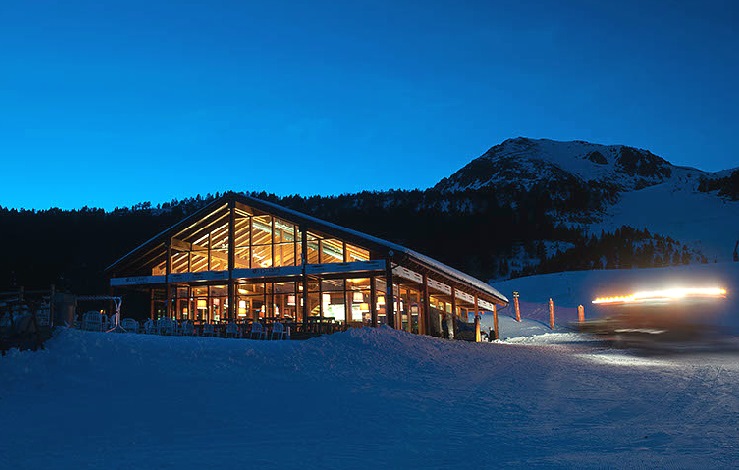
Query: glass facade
x,y
348,296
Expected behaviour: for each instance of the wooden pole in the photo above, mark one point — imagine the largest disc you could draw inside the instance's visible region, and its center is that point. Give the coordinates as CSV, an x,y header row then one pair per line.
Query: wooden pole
x,y
580,313
516,306
496,334
551,313
373,302
389,294
426,306
450,325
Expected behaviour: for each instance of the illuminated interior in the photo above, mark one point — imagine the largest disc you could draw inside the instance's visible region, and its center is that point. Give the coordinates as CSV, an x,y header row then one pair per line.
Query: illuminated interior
x,y
232,262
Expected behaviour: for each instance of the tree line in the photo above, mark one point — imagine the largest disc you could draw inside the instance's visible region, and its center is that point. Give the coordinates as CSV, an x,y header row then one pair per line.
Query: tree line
x,y
475,231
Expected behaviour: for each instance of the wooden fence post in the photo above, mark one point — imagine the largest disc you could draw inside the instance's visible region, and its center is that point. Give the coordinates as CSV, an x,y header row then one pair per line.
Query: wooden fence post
x,y
551,313
580,313
516,306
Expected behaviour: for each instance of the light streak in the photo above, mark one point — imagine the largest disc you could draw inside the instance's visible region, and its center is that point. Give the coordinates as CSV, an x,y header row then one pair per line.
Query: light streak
x,y
663,295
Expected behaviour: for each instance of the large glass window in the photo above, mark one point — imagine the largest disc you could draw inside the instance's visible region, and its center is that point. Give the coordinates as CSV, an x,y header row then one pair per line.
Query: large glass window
x,y
260,241
251,301
358,298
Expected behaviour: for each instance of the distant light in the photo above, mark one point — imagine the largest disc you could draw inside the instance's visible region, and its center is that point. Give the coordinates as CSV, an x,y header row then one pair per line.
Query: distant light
x,y
664,295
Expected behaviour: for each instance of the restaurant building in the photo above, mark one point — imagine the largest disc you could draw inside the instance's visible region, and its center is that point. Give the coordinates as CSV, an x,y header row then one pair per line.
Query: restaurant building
x,y
243,259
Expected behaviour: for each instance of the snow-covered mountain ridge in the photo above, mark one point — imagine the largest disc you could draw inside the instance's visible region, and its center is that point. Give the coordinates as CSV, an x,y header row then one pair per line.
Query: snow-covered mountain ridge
x,y
524,162
632,187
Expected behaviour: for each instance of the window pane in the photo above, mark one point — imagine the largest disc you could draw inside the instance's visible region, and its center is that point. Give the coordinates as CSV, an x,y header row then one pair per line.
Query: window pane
x,y
243,236
313,252
284,232
332,251
285,254
262,256
355,253
261,233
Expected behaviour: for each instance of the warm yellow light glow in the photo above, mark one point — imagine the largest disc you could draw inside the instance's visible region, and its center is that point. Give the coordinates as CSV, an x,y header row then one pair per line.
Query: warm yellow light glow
x,y
202,303
663,295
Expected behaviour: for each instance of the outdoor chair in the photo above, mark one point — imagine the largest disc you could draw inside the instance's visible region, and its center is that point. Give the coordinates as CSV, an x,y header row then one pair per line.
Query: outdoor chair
x,y
150,327
257,330
166,326
208,329
130,325
92,321
187,328
232,330
278,330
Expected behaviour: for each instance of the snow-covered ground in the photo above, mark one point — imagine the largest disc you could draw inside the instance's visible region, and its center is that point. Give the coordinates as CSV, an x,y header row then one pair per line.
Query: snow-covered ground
x,y
377,398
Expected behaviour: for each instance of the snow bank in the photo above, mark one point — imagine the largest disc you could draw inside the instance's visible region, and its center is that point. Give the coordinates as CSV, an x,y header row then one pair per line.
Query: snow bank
x,y
367,398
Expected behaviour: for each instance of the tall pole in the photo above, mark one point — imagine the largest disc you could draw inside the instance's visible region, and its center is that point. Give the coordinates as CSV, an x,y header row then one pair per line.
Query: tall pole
x,y
426,306
304,262
167,272
373,301
496,333
231,258
389,294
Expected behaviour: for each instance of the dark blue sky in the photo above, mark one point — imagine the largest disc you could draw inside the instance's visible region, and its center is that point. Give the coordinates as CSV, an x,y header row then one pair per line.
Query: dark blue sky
x,y
112,103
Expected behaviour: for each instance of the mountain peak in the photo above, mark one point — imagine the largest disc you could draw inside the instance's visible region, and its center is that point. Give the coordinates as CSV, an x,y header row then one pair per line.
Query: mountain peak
x,y
523,161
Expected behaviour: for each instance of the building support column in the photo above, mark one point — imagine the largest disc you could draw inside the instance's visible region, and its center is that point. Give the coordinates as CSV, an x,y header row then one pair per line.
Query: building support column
x,y
389,294
426,301
231,315
496,334
304,262
451,319
373,301
167,272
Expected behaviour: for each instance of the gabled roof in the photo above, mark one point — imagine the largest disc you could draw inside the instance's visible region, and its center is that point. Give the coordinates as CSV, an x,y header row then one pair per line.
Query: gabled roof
x,y
389,249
